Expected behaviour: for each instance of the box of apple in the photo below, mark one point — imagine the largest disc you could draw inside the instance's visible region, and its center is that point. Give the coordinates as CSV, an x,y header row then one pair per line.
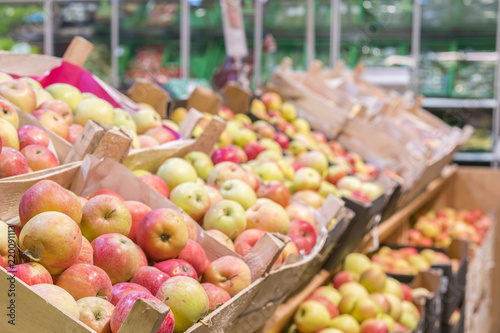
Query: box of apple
x,y
90,254
362,299
64,110
439,227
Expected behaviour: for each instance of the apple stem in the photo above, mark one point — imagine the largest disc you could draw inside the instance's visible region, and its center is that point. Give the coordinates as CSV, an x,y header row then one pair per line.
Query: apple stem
x,y
231,235
108,215
231,277
165,299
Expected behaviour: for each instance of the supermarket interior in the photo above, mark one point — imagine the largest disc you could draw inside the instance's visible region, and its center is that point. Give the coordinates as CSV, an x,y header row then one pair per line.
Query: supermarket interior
x,y
250,166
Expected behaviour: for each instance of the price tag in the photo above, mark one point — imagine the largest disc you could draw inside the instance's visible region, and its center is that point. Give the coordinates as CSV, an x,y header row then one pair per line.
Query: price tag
x,y
234,30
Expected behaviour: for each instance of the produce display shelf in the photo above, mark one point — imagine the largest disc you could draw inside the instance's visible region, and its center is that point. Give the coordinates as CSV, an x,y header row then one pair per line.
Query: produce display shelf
x,y
458,103
474,157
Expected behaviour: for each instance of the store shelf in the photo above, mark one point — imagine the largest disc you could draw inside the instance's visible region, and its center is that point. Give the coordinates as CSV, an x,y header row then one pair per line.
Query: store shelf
x,y
457,103
481,157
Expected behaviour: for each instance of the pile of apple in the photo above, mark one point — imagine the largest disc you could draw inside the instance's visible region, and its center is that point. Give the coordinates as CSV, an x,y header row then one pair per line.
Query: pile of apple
x,y
95,256
409,261
65,110
361,299
439,227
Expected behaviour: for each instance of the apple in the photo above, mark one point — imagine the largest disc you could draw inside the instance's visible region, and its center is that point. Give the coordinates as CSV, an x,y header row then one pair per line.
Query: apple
x,y
229,273
53,122
41,96
393,286
156,183
343,277
244,243
146,141
162,135
120,290
356,263
178,115
177,267
315,160
373,279
275,191
282,139
94,109
194,254
116,255
105,191
306,230
225,171
96,313
12,163
186,298
146,119
269,216
123,307
306,179
335,173
311,316
59,107
57,296
66,93
373,190
74,132
9,113
268,170
350,183
345,323
244,136
137,211
216,296
225,154
328,293
86,255
123,118
52,239
225,113
297,211
381,301
354,289
332,309
39,157
201,163
347,303
395,308
253,149
31,82
8,134
365,308
32,135
239,191
84,280
373,325
162,234
192,198
150,278
326,189
213,194
221,238
191,226
309,197
271,100
5,77
226,216
104,214
407,292
388,320
409,315
175,171
20,94
30,273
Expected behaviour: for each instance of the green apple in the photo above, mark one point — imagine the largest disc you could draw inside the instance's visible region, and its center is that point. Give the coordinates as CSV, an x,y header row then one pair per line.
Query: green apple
x,y
269,216
269,155
301,125
288,111
268,170
8,134
170,124
353,289
244,136
94,109
314,159
226,216
146,119
42,95
178,115
365,308
32,82
66,93
329,293
232,127
87,95
307,179
311,317
326,188
239,191
123,118
175,171
270,144
201,162
356,263
191,198
345,323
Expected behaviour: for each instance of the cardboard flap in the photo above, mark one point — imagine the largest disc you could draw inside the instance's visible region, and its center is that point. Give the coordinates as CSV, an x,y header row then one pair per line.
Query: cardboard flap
x,y
189,123
430,280
236,97
78,51
27,64
204,100
146,91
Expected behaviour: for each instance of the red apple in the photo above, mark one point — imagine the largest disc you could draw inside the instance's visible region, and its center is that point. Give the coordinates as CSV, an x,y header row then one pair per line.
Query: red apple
x,y
216,296
296,211
9,113
282,139
142,259
406,292
59,107
229,273
225,113
74,132
300,242
52,121
343,277
306,230
191,226
247,240
39,157
20,94
194,254
32,135
122,289
253,149
116,255
335,173
240,153
146,141
374,326
336,148
156,183
225,154
150,278
274,190
318,136
84,280
31,273
104,214
12,163
177,267
137,210
162,135
125,305
381,301
96,313
271,100
86,253
360,195
107,192
162,234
